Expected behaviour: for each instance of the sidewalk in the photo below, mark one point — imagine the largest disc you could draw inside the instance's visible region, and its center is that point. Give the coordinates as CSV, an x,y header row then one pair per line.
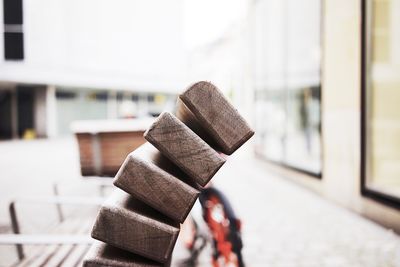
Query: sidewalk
x,y
29,168
284,225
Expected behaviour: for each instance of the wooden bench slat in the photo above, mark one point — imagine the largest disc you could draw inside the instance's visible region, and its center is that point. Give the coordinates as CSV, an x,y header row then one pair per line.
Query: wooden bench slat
x,y
207,112
141,177
65,200
35,252
102,254
58,256
55,257
82,260
185,148
129,224
51,242
46,239
76,256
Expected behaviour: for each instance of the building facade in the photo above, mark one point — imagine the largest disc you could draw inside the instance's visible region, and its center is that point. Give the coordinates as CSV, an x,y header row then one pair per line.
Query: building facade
x,y
326,79
61,60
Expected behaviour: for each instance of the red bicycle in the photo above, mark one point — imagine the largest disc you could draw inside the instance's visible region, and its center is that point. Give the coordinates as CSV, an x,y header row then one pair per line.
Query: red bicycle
x,y
224,228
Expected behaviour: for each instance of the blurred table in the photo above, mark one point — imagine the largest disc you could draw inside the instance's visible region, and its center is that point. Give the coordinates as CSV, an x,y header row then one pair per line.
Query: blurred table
x,y
104,144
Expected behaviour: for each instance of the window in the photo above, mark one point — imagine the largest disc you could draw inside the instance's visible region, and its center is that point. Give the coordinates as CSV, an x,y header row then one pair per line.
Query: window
x,y
79,104
65,94
288,83
381,96
13,34
6,114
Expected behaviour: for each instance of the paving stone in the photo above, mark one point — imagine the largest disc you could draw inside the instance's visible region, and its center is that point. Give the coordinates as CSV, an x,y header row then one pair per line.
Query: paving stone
x,y
282,219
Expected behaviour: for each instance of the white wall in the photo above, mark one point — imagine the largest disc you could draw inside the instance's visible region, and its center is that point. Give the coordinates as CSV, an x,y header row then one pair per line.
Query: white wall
x,y
128,44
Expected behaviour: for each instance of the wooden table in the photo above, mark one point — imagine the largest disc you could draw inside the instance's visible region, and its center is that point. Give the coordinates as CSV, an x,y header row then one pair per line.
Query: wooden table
x,y
104,144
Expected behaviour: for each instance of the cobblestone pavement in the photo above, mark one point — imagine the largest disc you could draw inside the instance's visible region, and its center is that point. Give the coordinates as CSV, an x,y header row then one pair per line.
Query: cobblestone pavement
x,y
284,225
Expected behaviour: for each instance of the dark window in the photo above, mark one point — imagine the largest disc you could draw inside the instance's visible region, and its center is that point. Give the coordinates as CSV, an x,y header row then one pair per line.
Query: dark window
x,y
101,96
135,97
13,34
12,10
5,115
150,98
25,100
13,45
120,96
65,95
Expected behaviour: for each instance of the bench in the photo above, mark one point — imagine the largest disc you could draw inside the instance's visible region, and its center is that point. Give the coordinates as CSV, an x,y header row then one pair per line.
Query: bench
x,y
139,225
66,239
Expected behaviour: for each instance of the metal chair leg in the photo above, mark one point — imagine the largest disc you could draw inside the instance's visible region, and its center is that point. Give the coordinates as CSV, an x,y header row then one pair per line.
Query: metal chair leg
x,y
15,228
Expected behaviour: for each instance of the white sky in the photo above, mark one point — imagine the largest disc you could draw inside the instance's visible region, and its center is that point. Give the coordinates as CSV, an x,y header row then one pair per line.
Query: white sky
x,y
206,20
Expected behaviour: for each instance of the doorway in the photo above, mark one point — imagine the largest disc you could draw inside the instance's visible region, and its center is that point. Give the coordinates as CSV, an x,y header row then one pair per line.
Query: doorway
x,y
25,107
5,114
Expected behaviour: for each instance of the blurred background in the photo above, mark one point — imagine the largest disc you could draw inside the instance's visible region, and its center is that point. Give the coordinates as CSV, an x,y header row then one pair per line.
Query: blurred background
x,y
318,80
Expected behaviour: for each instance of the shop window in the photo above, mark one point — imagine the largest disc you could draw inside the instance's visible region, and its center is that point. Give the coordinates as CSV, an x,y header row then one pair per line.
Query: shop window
x,y
65,95
135,97
288,84
381,95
